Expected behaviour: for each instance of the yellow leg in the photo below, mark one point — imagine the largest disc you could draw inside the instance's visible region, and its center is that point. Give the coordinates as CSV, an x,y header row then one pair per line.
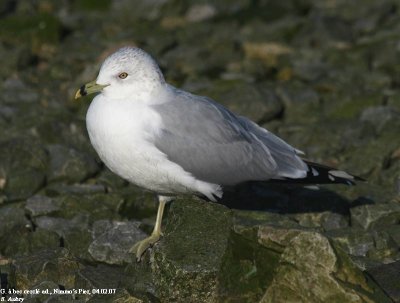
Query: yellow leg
x,y
140,247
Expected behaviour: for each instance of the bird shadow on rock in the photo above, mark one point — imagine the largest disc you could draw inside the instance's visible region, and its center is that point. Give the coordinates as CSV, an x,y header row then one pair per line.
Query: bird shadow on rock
x,y
287,199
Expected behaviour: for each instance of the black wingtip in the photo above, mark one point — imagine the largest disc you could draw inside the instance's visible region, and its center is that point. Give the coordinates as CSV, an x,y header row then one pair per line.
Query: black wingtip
x,y
326,174
322,174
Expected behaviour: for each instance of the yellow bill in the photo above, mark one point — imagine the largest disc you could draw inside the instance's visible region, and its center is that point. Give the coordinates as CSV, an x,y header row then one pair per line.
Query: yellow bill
x,y
89,88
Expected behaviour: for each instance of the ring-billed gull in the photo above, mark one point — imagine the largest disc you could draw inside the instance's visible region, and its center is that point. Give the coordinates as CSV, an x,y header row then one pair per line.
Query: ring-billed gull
x,y
173,142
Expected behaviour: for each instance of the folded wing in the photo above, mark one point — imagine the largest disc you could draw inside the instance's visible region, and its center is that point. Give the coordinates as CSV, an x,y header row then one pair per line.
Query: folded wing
x,y
216,146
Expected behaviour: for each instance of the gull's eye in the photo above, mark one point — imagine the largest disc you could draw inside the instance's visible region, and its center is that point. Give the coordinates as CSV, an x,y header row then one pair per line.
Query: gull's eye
x,y
122,75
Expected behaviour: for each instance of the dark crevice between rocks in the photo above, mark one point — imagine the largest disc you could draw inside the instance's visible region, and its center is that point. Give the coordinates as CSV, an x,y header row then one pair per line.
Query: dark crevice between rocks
x,y
276,250
289,264
279,116
28,60
32,223
215,72
65,32
369,281
95,175
361,290
395,82
169,47
385,100
8,8
4,282
62,244
388,161
390,11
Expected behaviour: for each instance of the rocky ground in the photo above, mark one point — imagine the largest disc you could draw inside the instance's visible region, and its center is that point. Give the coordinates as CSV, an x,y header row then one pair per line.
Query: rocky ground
x,y
324,75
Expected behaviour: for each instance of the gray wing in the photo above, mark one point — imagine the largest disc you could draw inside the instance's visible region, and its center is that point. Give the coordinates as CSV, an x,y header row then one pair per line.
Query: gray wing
x,y
216,146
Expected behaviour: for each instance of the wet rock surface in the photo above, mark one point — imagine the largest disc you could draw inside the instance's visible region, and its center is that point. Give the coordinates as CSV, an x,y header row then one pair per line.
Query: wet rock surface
x,y
322,75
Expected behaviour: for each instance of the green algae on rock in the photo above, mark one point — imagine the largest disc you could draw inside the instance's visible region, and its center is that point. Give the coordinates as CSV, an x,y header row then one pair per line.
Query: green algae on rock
x,y
312,270
187,260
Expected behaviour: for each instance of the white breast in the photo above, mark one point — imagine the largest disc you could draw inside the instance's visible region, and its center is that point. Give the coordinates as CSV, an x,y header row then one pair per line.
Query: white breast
x,y
122,132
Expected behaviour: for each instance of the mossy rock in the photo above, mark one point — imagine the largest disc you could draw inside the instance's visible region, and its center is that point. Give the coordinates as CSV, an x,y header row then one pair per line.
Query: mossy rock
x,y
23,166
351,107
312,270
33,30
188,259
56,265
